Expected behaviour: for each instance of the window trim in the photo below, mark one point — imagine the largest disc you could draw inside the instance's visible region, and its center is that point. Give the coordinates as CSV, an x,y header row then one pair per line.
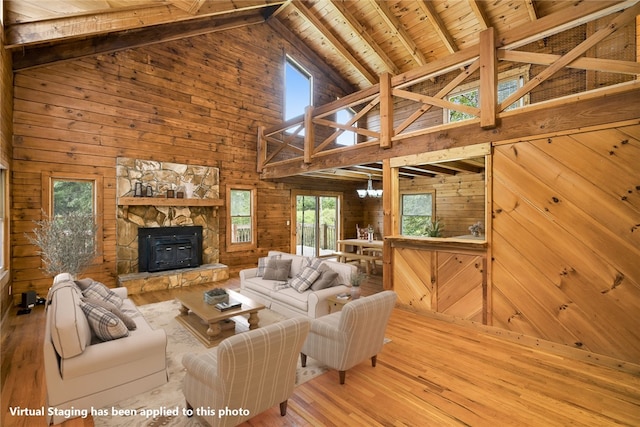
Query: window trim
x,y
47,202
302,70
401,206
244,246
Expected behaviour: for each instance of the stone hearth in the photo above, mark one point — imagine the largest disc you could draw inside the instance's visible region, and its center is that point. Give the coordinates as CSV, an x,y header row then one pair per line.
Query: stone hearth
x,y
137,283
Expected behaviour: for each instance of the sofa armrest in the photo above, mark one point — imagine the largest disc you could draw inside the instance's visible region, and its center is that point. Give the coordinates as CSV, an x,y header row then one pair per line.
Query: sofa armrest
x,y
247,273
122,292
114,353
204,370
317,304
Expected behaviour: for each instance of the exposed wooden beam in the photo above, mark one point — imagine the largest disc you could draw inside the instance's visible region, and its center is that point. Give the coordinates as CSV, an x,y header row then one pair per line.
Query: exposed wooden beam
x,y
387,63
478,10
583,63
73,49
429,9
579,13
398,31
531,10
336,44
63,28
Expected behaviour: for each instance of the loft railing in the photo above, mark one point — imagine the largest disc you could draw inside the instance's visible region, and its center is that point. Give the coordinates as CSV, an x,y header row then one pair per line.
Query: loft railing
x,y
392,110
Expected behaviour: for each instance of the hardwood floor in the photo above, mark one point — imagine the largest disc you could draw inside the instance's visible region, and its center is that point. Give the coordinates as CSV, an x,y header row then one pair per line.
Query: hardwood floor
x,y
431,373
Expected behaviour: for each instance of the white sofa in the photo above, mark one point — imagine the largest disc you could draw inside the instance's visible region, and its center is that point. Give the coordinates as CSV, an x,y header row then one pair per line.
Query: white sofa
x,y
82,373
289,301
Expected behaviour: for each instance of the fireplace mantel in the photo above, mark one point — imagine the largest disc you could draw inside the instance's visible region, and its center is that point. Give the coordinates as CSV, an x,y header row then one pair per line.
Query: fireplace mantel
x,y
163,201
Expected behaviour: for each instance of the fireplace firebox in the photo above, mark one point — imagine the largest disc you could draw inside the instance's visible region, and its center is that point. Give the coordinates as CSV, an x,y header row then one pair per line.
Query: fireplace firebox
x,y
169,248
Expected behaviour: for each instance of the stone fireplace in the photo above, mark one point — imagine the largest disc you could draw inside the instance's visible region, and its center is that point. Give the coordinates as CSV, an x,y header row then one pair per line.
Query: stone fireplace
x,y
198,187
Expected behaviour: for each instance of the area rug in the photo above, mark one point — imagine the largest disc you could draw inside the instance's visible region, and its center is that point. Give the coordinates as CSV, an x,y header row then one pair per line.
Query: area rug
x,y
168,398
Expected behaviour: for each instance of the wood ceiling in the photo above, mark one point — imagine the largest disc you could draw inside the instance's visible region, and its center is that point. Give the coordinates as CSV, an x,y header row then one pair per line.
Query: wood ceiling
x,y
358,39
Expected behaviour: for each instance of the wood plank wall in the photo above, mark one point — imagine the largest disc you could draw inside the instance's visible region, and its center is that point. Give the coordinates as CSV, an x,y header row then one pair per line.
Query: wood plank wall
x,y
195,101
6,119
566,240
460,200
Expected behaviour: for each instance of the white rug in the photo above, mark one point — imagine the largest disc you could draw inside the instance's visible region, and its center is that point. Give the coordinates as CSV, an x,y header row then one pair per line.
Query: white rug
x,y
169,396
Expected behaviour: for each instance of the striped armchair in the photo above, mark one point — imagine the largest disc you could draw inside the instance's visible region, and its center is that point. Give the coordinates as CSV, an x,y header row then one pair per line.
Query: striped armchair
x,y
342,340
246,374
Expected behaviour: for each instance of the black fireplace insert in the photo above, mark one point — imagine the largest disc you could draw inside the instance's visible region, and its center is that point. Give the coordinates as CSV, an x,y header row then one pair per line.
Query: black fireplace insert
x,y
169,248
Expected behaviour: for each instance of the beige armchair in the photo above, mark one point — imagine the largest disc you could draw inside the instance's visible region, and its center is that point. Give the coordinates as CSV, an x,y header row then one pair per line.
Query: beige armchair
x,y
246,374
342,340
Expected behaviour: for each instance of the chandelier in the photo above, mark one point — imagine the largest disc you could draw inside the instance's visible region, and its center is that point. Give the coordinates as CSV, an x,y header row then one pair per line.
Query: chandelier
x,y
369,191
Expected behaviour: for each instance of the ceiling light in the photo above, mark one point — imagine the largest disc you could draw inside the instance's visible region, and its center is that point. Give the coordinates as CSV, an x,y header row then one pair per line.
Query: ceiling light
x,y
369,191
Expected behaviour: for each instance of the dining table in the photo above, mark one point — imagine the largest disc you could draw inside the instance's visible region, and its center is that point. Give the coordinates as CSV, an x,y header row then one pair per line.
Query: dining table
x,y
369,251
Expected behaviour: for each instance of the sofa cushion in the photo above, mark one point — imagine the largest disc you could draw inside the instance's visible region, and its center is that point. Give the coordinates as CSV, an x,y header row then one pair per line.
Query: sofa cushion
x,y
97,290
327,279
261,286
277,269
70,331
128,321
292,298
304,279
263,262
105,325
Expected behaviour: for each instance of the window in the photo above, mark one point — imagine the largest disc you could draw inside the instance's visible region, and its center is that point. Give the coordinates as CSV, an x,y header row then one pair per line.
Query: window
x,y
298,87
508,83
78,194
417,213
347,137
241,224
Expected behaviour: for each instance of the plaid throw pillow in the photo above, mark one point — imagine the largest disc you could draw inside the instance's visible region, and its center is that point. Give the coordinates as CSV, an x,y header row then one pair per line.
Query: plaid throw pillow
x,y
304,279
262,264
104,324
97,290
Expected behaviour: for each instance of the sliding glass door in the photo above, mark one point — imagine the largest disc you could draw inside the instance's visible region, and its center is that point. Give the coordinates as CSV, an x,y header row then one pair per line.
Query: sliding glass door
x,y
316,220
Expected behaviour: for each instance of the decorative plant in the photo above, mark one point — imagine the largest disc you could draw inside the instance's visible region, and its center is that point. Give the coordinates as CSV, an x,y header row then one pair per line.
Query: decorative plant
x,y
357,278
67,242
476,229
433,229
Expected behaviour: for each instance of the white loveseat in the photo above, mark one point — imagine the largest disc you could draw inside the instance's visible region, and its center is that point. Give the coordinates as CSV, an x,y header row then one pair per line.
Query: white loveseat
x,y
81,372
288,301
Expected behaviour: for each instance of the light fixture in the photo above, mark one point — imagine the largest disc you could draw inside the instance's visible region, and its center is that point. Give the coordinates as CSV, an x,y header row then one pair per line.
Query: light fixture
x,y
369,191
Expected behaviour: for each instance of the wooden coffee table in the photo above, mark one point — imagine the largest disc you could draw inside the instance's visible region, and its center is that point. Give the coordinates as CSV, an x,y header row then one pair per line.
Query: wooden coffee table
x,y
211,325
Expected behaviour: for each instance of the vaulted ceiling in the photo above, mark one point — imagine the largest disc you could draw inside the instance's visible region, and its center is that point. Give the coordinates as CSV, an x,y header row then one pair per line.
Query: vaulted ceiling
x,y
359,39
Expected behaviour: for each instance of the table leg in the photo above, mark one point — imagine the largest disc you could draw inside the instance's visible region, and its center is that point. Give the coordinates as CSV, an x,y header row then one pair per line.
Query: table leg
x,y
253,320
214,330
183,310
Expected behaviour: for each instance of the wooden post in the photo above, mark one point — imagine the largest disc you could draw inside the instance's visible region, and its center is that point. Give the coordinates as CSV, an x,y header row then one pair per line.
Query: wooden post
x,y
386,111
308,134
262,149
390,213
488,79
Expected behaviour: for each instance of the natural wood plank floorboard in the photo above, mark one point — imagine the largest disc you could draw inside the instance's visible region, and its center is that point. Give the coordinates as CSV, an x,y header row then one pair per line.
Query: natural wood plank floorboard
x,y
431,373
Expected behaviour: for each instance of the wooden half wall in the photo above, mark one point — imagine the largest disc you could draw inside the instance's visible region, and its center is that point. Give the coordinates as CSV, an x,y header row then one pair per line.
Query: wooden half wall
x,y
566,239
561,264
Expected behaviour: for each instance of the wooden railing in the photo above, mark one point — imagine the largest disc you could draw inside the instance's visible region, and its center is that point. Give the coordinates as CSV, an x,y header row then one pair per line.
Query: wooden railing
x,y
382,116
307,236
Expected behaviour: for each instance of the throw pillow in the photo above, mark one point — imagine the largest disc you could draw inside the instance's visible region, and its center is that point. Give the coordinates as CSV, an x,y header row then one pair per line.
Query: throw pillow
x,y
262,264
105,325
304,279
97,290
327,279
277,269
128,321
